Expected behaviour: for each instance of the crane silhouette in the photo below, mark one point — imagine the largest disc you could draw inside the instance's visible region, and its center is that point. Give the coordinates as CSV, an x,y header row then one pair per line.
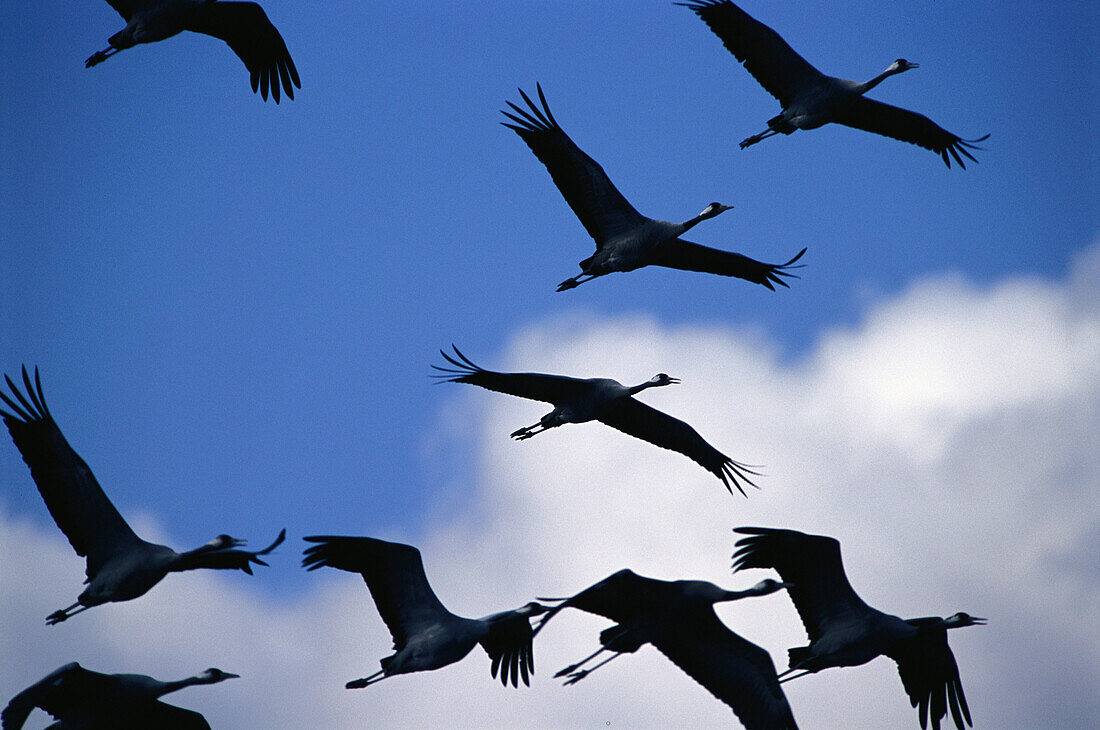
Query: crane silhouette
x,y
120,565
244,26
625,239
425,634
845,632
811,99
678,618
604,400
82,699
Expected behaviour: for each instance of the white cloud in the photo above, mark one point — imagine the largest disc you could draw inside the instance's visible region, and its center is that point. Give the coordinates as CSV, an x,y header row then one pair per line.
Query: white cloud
x,y
951,442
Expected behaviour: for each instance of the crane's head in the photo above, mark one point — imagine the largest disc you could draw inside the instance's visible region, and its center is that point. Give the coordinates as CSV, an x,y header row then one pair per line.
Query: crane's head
x,y
713,209
213,674
767,586
221,542
663,379
901,65
534,608
962,619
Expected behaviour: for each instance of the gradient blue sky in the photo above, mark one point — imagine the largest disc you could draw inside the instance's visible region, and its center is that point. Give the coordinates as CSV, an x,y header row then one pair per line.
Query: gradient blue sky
x,y
234,304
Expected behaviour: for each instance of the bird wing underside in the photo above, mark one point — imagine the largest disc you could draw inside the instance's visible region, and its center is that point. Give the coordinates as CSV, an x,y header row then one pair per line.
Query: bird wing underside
x,y
595,200
771,61
734,670
681,254
624,597
393,572
820,589
247,30
76,501
660,429
509,645
908,126
67,693
930,676
160,715
534,386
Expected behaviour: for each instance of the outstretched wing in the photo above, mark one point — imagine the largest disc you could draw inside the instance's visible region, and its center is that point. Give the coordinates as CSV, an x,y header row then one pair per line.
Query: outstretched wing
x,y
162,715
535,386
891,121
393,572
639,420
602,209
79,507
773,63
508,644
67,693
734,670
931,676
680,254
811,563
245,27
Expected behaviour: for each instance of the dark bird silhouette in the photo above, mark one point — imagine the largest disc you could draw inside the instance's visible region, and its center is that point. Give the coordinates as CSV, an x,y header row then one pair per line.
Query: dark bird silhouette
x,y
425,634
845,632
625,239
242,25
604,400
811,99
121,565
678,618
81,699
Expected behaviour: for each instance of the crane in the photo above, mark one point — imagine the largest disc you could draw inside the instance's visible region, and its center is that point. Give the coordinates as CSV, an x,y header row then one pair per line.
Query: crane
x,y
425,634
678,618
625,239
80,698
244,26
604,400
120,565
811,99
846,632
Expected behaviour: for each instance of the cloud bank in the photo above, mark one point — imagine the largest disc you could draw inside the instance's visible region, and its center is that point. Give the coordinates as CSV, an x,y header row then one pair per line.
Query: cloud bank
x,y
950,441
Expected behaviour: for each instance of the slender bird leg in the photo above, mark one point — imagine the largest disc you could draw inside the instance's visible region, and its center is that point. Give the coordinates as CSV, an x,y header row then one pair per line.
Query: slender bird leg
x,y
61,614
578,676
575,281
526,432
100,56
757,137
574,667
784,678
360,683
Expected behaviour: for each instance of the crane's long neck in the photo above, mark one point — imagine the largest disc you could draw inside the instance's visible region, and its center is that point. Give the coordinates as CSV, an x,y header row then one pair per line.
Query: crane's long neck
x,y
200,557
181,683
635,389
868,85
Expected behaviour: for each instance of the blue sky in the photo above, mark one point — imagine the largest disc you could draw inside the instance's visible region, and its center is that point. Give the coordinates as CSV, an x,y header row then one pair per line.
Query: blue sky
x,y
234,305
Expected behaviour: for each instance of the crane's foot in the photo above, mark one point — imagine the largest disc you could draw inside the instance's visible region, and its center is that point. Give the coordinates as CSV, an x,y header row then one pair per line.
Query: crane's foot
x,y
576,677
568,284
100,56
568,670
526,432
56,617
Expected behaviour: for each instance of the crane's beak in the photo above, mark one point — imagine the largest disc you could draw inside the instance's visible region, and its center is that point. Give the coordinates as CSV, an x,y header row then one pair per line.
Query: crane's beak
x,y
230,675
673,381
979,621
